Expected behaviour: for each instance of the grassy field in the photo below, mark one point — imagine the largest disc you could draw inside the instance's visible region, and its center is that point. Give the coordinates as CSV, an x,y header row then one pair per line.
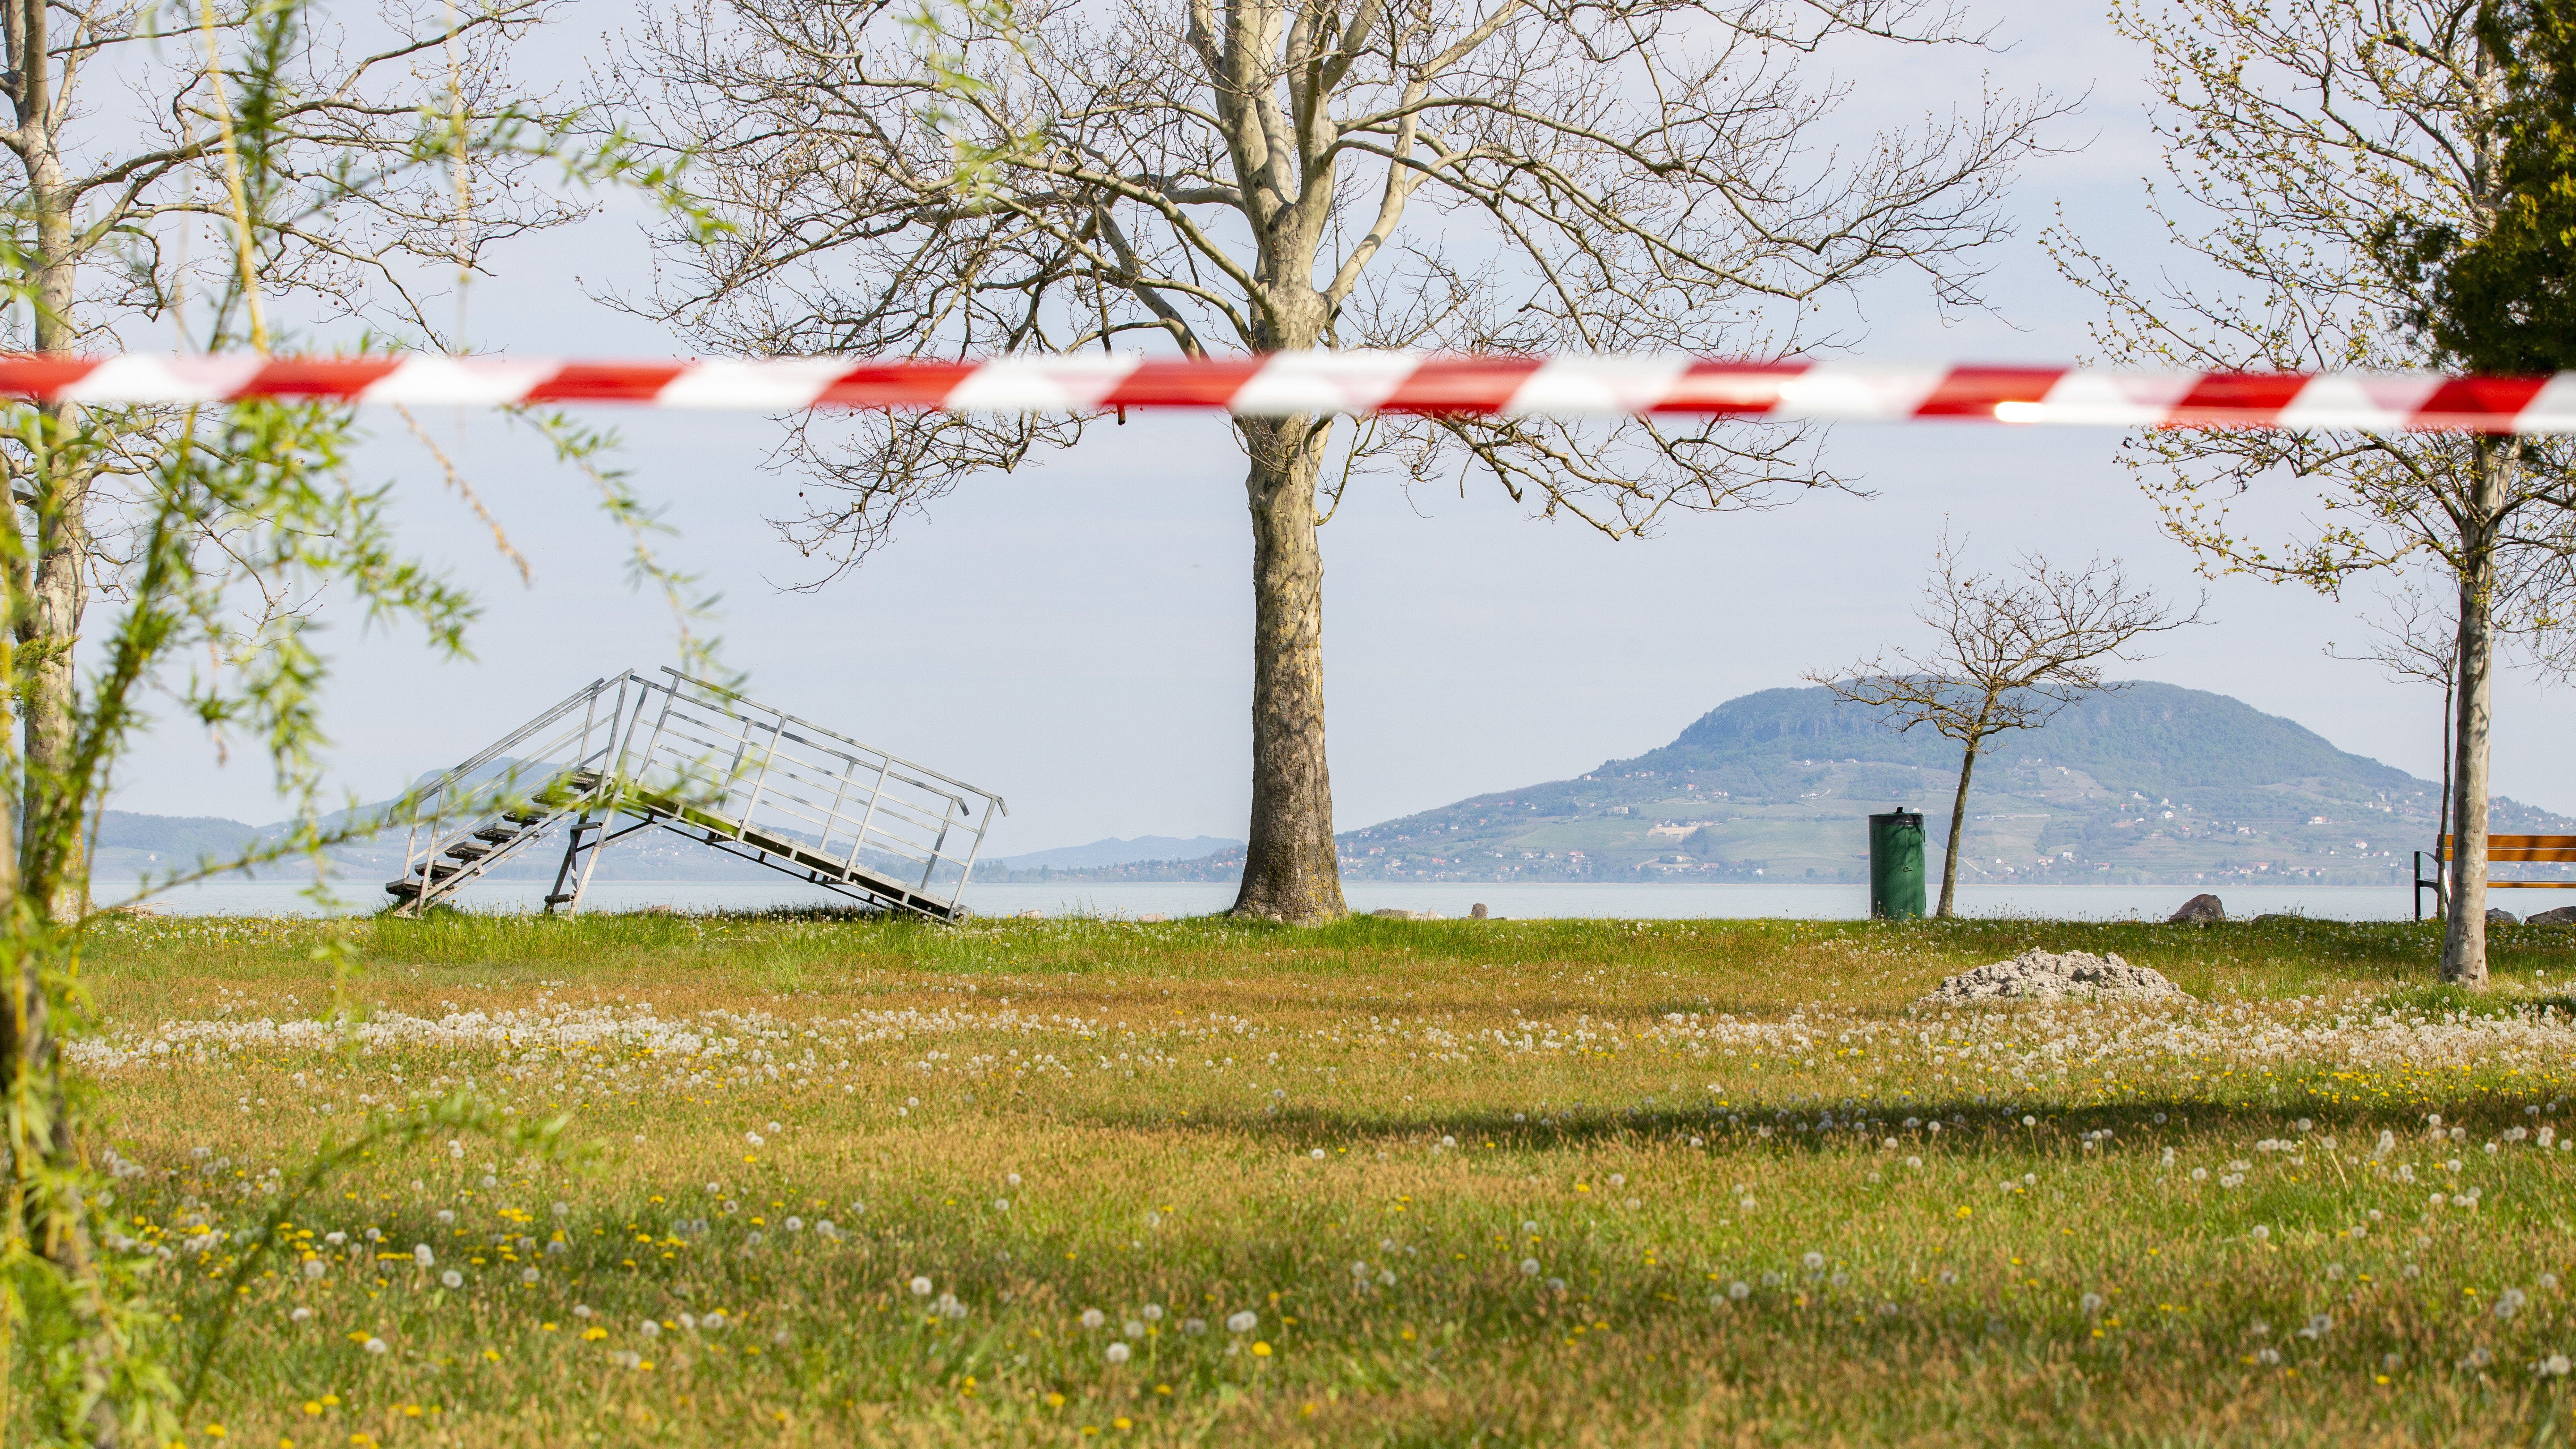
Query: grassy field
x,y
1379,1183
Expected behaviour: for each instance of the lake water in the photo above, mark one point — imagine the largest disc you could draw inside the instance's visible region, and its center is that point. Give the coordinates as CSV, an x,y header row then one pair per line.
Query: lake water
x,y
1131,899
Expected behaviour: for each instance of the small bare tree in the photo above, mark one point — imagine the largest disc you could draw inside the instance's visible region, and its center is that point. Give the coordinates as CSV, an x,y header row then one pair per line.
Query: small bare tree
x,y
2418,639
1510,176
2008,654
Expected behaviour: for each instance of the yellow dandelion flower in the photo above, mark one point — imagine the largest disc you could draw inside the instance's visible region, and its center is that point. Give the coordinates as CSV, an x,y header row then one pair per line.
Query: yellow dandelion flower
x,y
1261,1350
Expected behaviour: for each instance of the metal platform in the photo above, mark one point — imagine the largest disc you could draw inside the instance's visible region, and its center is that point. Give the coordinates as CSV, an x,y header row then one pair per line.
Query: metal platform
x,y
631,753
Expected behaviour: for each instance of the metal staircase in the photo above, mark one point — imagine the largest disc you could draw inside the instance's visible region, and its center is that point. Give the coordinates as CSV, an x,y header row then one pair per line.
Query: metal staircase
x,y
631,753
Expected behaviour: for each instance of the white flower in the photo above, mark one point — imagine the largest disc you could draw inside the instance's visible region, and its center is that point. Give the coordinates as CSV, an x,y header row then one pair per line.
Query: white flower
x,y
1093,1318
649,1329
921,1287
528,1275
1317,1154
775,1127
314,1268
452,1278
1739,1290
421,1255
1815,1262
1117,1353
751,1137
1529,1267
299,1315
1133,1328
2260,1233
2091,1304
374,1345
1247,1320
1153,1312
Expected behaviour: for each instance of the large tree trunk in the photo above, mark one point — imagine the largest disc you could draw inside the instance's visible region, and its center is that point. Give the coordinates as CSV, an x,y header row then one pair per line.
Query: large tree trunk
x,y
2464,941
48,619
1291,871
2450,762
53,807
1958,820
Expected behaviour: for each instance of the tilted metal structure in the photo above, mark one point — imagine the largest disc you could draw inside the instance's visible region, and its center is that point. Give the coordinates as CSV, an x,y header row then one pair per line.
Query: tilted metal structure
x,y
630,753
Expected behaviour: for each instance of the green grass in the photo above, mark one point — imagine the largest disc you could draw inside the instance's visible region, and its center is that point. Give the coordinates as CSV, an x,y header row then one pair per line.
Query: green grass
x,y
1213,1118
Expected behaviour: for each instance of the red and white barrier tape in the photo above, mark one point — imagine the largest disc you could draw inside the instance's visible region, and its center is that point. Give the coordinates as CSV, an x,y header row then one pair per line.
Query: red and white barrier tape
x,y
1349,382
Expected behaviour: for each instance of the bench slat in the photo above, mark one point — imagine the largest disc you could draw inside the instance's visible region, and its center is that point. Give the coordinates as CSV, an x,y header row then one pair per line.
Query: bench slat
x,y
2508,848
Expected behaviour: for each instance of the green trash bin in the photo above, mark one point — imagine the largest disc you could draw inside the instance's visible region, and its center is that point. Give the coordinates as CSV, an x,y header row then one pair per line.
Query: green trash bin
x,y
1896,865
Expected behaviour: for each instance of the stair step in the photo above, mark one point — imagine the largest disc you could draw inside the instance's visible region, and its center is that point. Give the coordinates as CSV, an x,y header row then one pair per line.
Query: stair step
x,y
558,899
468,853
497,835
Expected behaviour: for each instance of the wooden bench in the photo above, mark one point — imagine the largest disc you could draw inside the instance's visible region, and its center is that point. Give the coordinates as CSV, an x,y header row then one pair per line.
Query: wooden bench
x,y
2501,850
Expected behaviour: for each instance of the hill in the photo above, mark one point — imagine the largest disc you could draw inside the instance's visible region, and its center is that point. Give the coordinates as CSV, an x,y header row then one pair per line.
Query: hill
x,y
2148,783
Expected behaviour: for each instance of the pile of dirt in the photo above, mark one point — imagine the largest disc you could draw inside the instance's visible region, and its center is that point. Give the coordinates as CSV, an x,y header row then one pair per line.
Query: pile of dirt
x,y
2037,975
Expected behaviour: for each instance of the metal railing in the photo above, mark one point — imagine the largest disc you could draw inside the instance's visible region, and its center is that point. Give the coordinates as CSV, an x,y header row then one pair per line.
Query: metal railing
x,y
709,763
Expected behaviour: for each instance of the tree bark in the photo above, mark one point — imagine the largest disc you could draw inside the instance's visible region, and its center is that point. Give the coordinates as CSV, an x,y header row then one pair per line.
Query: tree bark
x,y
2464,940
49,619
1958,822
1291,871
2450,762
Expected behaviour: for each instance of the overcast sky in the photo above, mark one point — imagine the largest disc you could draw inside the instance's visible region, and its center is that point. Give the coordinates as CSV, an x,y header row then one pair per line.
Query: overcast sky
x,y
1076,637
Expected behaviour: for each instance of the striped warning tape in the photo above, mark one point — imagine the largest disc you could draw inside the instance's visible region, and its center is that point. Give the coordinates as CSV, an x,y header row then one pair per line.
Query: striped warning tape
x,y
1348,382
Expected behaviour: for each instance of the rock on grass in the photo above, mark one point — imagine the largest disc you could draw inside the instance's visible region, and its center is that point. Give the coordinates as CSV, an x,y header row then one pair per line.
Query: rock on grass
x,y
2037,975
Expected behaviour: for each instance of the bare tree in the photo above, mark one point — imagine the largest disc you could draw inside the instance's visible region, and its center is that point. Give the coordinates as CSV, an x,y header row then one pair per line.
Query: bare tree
x,y
1514,176
2310,143
2008,654
383,164
2418,638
